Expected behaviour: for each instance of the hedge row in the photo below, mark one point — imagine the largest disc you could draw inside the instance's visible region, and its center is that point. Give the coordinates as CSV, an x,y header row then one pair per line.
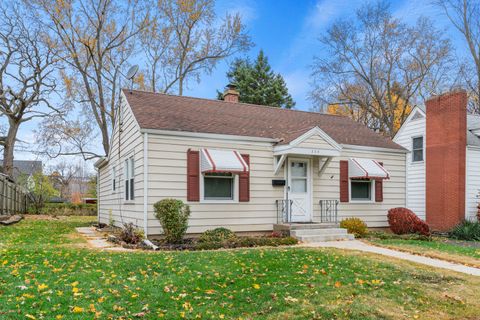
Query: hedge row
x,y
67,209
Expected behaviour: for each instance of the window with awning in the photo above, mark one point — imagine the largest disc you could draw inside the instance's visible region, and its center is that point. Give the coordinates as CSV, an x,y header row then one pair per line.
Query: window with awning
x,y
222,161
362,168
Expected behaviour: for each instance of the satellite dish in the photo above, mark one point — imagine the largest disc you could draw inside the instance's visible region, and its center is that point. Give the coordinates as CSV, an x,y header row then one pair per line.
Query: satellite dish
x,y
131,74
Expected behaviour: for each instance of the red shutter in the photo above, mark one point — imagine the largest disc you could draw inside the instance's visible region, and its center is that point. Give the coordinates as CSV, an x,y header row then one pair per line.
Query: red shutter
x,y
379,188
244,182
193,175
344,197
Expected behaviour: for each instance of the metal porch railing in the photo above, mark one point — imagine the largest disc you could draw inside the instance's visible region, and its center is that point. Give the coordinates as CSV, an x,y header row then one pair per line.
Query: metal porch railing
x,y
329,211
284,211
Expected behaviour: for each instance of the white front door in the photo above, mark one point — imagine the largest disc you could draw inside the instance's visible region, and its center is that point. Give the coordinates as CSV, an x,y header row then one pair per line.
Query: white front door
x,y
298,189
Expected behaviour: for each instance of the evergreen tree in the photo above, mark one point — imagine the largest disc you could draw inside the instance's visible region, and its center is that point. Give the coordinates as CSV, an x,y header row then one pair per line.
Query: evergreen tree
x,y
258,84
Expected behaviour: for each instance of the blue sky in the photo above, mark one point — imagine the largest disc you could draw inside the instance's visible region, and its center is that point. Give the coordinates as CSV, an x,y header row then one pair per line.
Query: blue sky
x,y
288,32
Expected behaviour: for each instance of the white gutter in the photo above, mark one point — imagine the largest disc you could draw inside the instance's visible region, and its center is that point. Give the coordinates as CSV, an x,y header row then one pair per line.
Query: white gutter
x,y
215,136
100,162
368,148
145,184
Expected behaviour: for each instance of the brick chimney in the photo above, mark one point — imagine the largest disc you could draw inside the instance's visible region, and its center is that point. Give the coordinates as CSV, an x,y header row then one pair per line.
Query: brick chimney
x,y
231,94
446,141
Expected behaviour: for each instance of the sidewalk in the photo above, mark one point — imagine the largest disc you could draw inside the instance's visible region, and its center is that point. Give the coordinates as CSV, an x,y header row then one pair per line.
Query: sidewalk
x,y
361,246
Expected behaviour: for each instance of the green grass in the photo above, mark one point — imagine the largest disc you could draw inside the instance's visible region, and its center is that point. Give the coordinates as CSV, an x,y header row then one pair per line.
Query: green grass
x,y
438,247
46,273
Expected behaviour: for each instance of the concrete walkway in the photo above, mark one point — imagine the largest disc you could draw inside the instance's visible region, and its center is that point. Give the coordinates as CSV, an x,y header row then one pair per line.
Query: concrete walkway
x,y
97,241
361,246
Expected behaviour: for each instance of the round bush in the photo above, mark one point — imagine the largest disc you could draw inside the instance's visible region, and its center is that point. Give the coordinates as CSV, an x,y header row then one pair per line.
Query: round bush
x,y
173,216
217,235
404,221
355,226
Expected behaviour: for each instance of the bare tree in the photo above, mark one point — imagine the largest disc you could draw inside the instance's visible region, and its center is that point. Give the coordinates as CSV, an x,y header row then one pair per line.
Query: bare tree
x,y
465,17
187,39
63,174
96,39
377,67
26,75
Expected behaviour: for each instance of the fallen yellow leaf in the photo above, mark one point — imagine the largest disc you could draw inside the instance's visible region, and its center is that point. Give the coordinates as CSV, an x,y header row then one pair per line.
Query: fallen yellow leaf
x,y
77,309
42,287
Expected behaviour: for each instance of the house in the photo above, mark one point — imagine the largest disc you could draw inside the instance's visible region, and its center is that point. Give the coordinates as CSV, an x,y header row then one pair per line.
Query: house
x,y
443,165
244,167
25,167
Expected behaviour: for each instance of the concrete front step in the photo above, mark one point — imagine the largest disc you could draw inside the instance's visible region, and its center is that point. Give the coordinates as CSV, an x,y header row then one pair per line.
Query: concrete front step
x,y
303,226
313,232
327,237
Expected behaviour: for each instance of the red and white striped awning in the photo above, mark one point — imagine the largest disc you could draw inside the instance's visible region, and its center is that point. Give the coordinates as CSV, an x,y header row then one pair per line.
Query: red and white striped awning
x,y
222,161
361,168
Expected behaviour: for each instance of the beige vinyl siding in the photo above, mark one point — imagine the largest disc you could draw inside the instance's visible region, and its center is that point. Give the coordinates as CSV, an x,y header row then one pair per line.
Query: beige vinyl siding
x,y
315,142
415,170
327,187
472,191
167,179
167,158
112,204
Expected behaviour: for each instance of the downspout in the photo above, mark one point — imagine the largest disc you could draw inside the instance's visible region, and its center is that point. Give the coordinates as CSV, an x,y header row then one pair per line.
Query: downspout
x,y
97,187
145,184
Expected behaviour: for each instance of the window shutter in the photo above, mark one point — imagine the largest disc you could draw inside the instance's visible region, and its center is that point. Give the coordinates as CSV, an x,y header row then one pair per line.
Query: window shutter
x,y
344,181
244,182
193,175
379,188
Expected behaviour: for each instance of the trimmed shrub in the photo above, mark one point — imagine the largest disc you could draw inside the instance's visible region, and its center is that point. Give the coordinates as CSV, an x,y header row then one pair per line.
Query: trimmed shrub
x,y
217,235
355,226
466,230
130,234
404,221
173,216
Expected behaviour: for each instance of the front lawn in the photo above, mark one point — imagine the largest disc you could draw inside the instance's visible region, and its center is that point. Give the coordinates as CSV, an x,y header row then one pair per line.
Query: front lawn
x,y
464,252
47,273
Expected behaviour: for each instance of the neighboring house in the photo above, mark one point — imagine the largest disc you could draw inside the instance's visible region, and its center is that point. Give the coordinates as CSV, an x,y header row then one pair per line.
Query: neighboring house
x,y
244,167
25,167
443,165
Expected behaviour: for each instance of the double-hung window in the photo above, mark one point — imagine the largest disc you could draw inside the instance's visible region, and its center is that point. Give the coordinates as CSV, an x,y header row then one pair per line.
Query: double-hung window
x,y
129,179
361,190
218,186
417,149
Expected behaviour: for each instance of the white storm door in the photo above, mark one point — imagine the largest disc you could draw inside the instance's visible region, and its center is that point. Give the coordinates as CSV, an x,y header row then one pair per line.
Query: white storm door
x,y
299,192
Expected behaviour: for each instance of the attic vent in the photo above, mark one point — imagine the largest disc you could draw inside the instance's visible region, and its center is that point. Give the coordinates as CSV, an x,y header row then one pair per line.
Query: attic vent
x,y
417,116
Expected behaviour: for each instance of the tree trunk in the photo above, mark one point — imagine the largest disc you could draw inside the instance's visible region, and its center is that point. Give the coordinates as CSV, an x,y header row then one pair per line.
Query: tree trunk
x,y
9,148
180,86
105,139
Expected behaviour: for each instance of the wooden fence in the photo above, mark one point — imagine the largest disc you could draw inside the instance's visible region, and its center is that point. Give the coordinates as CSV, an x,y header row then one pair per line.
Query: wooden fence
x,y
13,198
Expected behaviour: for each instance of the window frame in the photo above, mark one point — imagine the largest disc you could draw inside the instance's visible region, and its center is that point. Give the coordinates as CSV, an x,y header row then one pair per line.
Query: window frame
x,y
413,150
359,200
235,191
129,179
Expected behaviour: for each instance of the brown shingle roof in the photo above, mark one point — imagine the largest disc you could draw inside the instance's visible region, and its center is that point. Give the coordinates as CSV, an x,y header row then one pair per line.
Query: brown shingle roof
x,y
180,113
